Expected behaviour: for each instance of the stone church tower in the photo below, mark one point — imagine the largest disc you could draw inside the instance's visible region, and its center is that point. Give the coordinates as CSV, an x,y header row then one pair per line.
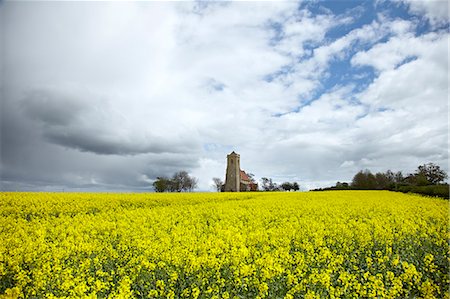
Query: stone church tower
x,y
232,179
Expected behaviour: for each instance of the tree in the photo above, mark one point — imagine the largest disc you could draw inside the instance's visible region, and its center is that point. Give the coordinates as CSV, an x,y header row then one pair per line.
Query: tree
x,y
251,177
420,179
180,181
410,179
341,186
162,184
364,180
383,180
217,184
432,173
390,176
266,182
371,181
193,183
398,177
287,186
268,185
359,180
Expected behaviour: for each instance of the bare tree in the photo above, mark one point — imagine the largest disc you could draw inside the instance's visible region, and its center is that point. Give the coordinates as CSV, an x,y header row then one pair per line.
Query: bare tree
x,y
182,181
269,185
217,184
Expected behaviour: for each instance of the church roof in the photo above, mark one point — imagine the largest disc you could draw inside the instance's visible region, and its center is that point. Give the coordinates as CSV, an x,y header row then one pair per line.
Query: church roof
x,y
244,176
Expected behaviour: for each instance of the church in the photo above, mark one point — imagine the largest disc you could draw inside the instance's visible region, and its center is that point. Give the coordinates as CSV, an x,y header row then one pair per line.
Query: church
x,y
236,180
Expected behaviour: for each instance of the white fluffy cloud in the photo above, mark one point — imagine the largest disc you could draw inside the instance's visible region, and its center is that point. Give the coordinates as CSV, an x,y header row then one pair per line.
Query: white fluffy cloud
x,y
115,94
436,11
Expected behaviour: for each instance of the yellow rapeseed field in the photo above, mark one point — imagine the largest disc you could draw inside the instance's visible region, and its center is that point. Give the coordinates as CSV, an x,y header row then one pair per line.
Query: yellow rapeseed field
x,y
342,244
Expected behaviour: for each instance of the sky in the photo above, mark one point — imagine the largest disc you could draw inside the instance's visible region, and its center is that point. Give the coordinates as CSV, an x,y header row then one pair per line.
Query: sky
x,y
108,96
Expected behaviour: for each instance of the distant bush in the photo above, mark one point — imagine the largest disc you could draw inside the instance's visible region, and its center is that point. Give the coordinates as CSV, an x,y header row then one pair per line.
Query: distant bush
x,y
430,190
427,180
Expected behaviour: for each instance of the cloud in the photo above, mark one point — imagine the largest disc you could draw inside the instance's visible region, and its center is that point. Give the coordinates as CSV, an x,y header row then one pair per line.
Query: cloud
x,y
112,95
428,70
52,108
303,29
30,162
367,34
400,49
436,11
408,117
82,122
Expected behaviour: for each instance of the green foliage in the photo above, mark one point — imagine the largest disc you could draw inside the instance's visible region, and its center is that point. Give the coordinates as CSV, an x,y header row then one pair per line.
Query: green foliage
x,y
426,180
432,173
430,190
269,185
364,180
180,181
287,186
421,180
162,184
342,186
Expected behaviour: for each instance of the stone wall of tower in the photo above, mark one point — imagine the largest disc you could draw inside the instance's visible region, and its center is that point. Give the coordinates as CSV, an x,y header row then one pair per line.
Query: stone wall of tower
x,y
232,179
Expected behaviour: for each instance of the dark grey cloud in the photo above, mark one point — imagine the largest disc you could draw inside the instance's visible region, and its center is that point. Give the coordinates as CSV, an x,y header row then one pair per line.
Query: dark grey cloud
x,y
52,108
30,161
97,142
81,122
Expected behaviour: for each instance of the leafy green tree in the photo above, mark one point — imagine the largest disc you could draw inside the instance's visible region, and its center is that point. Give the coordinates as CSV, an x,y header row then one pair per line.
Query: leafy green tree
x,y
287,186
180,181
364,180
420,179
162,184
383,180
341,186
359,180
432,173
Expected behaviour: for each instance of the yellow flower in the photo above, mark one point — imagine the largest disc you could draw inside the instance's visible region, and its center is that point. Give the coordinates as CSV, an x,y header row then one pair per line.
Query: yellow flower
x,y
346,244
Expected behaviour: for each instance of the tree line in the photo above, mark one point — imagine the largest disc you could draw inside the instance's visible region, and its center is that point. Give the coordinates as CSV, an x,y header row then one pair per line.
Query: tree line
x,y
180,182
267,184
428,179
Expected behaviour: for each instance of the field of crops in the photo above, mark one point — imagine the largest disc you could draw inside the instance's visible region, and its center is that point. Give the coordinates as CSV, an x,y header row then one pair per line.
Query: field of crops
x,y
344,244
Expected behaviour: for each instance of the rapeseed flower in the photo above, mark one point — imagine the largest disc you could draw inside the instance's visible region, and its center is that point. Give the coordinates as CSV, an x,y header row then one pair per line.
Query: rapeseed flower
x,y
242,245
